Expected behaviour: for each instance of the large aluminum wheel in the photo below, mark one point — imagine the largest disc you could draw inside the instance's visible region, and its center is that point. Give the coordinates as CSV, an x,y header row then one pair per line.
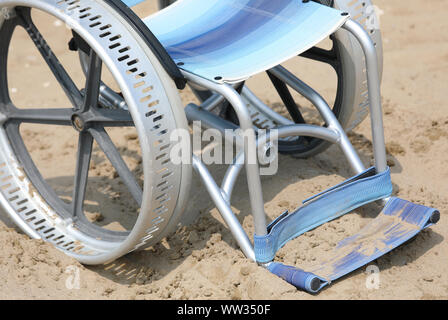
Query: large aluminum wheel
x,y
151,105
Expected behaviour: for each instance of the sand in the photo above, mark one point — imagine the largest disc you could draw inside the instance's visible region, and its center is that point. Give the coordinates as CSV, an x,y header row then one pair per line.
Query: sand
x,y
202,261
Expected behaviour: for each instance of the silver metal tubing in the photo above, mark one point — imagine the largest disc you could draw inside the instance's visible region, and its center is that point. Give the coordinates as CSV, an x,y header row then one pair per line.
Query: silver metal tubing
x,y
318,101
232,173
224,208
212,102
112,97
373,82
234,170
209,120
250,147
306,130
3,118
262,107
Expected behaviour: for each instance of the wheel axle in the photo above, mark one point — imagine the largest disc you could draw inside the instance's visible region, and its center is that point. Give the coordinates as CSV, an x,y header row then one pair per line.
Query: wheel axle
x,y
78,123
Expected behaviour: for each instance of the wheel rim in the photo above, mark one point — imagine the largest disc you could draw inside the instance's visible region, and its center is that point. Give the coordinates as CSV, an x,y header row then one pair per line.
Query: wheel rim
x,y
33,200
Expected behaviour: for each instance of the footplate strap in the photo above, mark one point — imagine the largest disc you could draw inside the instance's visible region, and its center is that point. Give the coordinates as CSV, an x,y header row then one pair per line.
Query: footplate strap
x,y
328,205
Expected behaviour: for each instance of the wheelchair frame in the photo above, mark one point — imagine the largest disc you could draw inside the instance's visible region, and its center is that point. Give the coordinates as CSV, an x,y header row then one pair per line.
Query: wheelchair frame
x,y
263,251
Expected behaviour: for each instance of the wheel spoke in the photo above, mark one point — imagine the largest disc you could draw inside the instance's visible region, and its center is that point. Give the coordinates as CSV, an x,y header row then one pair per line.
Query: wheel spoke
x,y
287,98
110,117
41,116
55,66
62,116
85,143
93,82
107,146
322,55
6,33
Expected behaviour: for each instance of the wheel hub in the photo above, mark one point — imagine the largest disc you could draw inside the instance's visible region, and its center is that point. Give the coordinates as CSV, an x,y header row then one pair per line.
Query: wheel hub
x,y
78,123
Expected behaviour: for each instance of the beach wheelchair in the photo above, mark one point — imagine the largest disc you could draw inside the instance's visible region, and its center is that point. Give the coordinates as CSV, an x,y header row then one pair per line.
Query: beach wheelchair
x,y
213,47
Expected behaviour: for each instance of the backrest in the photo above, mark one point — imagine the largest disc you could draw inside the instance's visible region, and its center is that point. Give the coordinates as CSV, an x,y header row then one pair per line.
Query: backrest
x,y
131,3
220,21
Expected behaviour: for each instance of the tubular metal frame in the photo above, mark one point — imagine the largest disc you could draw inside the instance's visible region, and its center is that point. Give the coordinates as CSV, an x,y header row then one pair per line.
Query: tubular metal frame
x,y
333,132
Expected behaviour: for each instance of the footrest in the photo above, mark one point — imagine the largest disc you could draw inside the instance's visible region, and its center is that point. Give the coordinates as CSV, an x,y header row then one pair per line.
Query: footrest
x,y
328,205
399,221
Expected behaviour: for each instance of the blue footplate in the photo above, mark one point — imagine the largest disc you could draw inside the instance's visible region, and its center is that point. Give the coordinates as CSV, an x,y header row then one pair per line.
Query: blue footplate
x,y
399,221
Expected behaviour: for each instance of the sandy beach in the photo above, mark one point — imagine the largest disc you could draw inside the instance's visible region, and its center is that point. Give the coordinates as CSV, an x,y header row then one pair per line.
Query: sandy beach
x,y
202,260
